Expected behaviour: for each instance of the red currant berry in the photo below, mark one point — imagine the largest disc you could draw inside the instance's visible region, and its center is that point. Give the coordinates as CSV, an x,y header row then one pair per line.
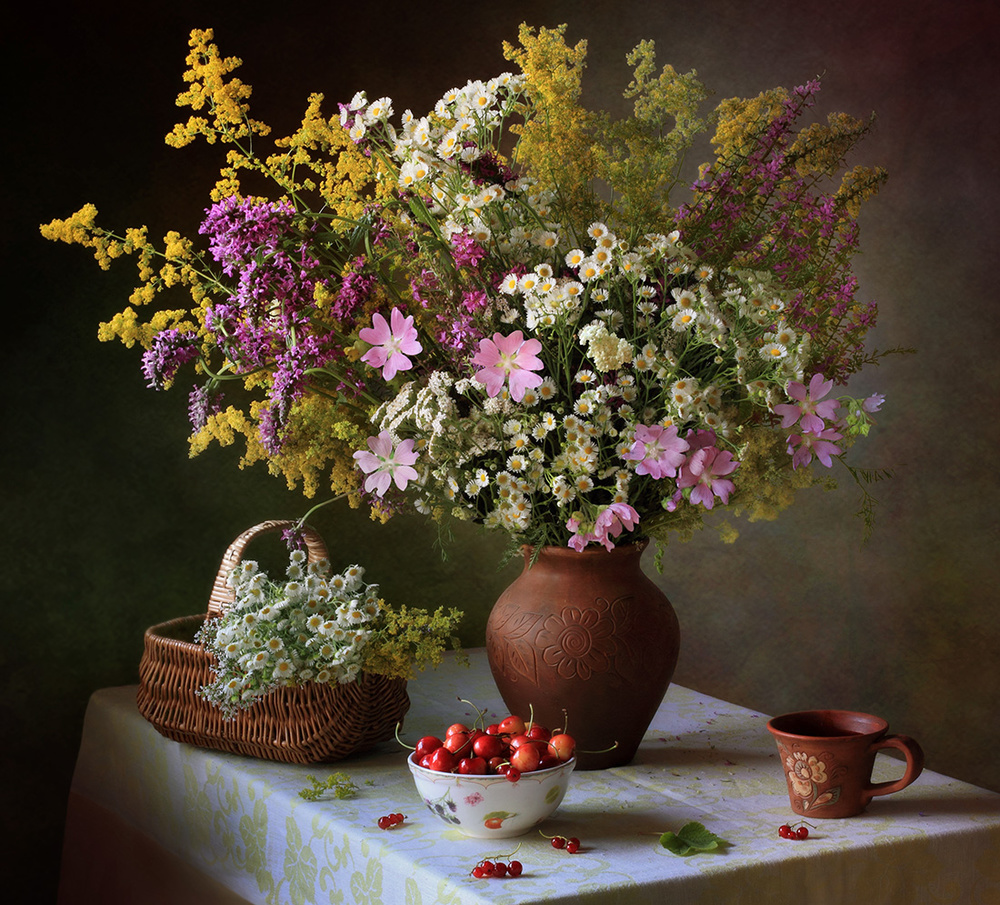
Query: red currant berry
x,y
478,872
513,774
573,845
384,823
499,869
515,868
558,842
785,831
802,832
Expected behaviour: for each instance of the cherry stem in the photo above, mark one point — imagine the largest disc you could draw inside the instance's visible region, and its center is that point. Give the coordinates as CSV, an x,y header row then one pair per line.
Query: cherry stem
x,y
494,857
480,714
398,739
602,751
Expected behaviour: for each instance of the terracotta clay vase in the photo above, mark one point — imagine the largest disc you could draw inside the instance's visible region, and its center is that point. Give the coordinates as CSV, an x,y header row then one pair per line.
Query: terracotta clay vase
x,y
589,634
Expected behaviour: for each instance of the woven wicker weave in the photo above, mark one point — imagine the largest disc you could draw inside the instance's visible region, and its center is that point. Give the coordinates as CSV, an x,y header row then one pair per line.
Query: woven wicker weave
x,y
305,724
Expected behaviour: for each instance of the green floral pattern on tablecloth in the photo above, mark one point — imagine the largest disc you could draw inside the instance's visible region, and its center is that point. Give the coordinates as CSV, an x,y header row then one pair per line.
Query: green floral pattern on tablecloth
x,y
242,822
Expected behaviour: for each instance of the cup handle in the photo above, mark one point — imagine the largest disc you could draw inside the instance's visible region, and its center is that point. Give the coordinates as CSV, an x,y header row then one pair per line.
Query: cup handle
x,y
914,764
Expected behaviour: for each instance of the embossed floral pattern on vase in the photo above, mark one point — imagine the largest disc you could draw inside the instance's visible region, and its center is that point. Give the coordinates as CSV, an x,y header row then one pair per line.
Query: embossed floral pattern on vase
x,y
579,642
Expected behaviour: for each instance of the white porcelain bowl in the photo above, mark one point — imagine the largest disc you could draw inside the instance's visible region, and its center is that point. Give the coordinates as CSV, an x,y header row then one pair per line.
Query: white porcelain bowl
x,y
491,807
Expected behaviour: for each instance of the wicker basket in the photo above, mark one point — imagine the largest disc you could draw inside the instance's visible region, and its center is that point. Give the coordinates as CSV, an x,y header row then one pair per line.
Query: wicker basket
x,y
310,723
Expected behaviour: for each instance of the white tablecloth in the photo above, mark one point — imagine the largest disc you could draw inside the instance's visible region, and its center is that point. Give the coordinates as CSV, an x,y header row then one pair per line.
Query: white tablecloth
x,y
171,823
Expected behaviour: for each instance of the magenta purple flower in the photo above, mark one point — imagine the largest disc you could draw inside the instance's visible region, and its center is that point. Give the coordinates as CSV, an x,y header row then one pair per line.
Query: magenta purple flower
x,y
168,352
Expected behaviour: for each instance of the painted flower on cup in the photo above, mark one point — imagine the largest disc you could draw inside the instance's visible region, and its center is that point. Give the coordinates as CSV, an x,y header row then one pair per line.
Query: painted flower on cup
x,y
805,770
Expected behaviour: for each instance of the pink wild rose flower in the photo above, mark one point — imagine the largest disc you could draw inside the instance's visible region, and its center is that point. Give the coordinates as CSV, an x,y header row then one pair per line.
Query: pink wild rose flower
x,y
610,523
802,447
508,359
390,346
810,412
385,464
658,450
873,403
705,473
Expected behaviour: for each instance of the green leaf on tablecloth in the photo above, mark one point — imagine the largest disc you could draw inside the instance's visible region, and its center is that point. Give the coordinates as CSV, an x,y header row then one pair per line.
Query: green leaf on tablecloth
x,y
340,784
692,837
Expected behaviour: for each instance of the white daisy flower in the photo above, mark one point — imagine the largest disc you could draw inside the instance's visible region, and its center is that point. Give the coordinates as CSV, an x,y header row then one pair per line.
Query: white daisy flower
x,y
684,320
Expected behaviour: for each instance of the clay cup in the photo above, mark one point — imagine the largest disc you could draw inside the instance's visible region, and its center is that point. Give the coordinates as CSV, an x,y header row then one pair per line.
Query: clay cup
x,y
828,755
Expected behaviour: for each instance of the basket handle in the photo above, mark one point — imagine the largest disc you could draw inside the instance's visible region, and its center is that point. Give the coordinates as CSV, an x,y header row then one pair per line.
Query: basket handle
x,y
222,595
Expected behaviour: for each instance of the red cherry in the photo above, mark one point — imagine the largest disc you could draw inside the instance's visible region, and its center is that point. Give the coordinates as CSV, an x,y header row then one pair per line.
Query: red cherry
x,y
539,733
487,746
516,741
474,766
425,746
441,760
548,761
493,729
457,742
457,727
512,725
526,758
562,746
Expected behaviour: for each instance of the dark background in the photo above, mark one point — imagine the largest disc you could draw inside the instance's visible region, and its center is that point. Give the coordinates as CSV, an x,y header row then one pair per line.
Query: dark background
x,y
108,527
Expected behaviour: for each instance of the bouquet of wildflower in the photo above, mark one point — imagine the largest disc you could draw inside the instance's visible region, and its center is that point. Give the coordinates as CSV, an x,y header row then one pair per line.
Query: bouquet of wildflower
x,y
461,322
313,627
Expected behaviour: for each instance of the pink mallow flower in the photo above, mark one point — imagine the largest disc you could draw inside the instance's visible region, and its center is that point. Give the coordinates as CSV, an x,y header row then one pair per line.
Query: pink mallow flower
x,y
390,346
508,359
658,450
802,447
385,464
705,472
610,523
873,403
810,411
